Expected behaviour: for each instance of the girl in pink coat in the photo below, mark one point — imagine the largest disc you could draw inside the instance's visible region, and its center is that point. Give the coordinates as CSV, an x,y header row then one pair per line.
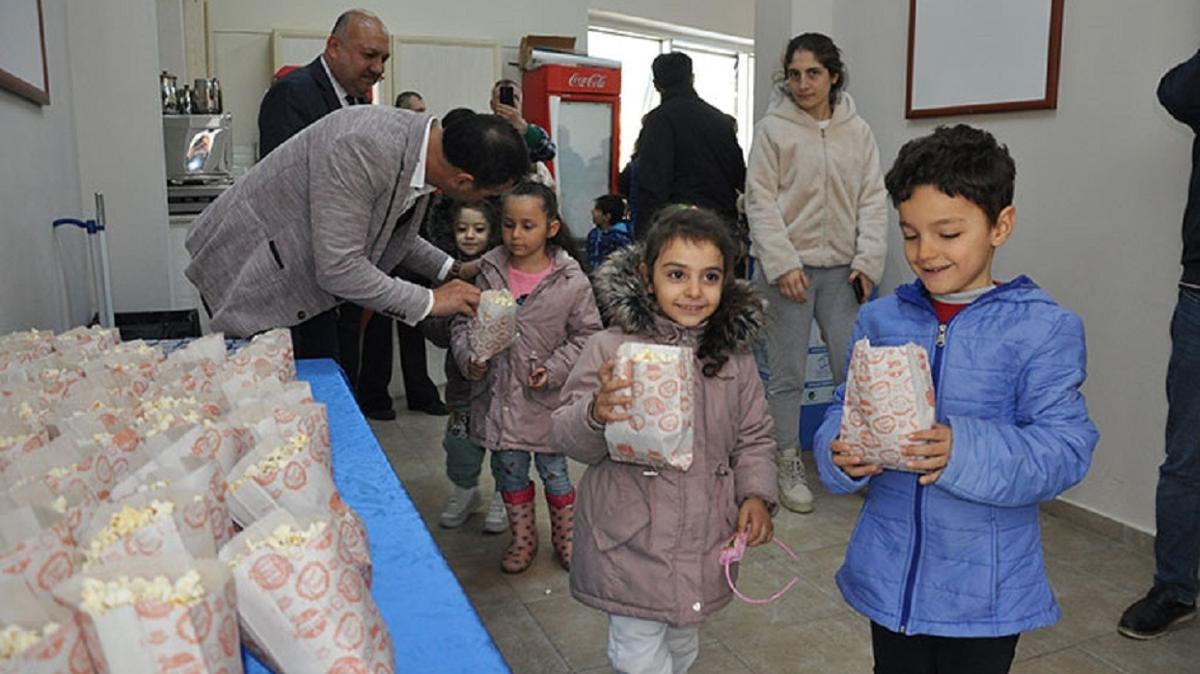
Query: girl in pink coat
x,y
649,541
513,394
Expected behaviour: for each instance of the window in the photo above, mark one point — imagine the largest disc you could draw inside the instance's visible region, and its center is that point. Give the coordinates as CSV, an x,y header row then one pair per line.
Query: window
x,y
724,71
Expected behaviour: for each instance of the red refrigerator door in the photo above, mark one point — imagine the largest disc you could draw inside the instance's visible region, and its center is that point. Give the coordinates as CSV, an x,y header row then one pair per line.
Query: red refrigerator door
x,y
583,130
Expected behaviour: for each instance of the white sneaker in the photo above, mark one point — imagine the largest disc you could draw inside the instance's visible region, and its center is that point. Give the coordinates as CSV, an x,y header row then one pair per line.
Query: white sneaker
x,y
794,493
459,507
496,521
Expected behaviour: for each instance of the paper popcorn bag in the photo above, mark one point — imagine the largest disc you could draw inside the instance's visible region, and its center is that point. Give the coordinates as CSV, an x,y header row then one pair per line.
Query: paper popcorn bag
x,y
889,394
37,547
37,636
268,356
202,478
170,615
87,341
168,522
210,348
275,475
300,606
659,432
494,327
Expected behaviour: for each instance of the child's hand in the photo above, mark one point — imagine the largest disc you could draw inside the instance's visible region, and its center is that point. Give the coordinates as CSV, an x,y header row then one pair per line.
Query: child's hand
x,y
538,378
932,454
850,460
612,401
755,520
476,369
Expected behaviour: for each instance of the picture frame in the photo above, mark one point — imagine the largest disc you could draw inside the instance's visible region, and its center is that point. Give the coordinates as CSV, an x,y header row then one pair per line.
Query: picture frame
x,y
980,56
23,68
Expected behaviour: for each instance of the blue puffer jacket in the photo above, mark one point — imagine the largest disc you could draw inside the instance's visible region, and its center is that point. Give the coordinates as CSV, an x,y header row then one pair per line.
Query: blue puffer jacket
x,y
963,557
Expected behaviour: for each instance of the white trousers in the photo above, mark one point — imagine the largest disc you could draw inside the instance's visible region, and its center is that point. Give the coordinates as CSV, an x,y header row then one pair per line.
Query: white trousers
x,y
637,646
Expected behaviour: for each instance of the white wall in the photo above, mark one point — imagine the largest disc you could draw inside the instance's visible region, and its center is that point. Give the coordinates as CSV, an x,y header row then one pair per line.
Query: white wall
x,y
1101,184
731,17
113,60
39,183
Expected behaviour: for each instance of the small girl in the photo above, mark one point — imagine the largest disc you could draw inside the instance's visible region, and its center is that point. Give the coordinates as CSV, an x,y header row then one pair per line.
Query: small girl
x,y
466,231
513,395
649,540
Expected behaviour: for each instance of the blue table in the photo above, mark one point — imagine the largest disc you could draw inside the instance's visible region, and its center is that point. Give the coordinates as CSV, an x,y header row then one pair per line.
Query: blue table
x,y
433,626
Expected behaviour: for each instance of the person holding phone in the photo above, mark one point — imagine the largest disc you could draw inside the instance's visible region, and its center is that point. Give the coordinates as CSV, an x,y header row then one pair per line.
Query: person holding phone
x,y
506,102
817,211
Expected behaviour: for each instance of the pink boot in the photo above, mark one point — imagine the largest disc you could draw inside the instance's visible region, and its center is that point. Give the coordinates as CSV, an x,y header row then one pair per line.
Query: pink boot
x,y
523,546
562,525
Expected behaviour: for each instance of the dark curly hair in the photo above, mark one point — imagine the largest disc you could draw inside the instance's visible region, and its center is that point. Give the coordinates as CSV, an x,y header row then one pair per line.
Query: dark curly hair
x,y
958,160
445,218
697,225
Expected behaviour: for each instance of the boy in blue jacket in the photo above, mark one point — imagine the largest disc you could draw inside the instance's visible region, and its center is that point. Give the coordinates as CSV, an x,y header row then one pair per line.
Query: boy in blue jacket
x,y
948,564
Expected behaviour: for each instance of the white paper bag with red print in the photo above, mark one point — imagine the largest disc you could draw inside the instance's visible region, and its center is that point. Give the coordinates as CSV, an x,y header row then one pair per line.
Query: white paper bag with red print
x,y
50,641
37,547
193,632
191,475
268,356
210,348
889,394
355,546
16,441
87,341
659,431
218,441
301,607
168,522
274,475
494,327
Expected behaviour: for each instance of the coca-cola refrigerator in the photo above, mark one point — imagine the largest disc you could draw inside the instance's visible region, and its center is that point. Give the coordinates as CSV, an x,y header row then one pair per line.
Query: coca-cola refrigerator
x,y
579,104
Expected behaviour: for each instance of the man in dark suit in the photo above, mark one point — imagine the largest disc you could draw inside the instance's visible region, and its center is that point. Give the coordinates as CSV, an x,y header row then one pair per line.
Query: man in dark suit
x,y
353,61
688,150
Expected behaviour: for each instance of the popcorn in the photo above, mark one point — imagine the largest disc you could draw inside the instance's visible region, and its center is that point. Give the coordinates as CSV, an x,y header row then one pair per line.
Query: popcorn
x,y
273,461
126,521
284,538
99,597
15,639
59,504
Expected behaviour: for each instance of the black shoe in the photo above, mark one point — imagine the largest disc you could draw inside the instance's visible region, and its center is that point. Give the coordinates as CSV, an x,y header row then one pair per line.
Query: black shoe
x,y
388,414
1153,615
437,408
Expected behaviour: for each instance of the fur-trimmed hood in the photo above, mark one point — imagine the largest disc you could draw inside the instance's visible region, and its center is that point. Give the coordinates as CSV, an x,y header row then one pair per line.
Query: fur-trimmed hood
x,y
625,302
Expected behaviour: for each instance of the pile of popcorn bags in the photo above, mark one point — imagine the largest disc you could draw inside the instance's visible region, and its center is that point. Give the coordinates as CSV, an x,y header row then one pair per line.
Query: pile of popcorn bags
x,y
158,512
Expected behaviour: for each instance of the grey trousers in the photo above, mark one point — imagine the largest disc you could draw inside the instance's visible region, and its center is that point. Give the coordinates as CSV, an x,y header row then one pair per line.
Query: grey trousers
x,y
637,646
831,301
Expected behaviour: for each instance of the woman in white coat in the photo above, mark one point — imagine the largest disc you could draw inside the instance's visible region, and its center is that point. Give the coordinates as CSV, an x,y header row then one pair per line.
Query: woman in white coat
x,y
817,210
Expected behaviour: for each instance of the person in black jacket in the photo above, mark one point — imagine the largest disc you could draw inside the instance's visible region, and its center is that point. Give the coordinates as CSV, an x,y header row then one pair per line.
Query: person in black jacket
x,y
1172,599
355,53
688,150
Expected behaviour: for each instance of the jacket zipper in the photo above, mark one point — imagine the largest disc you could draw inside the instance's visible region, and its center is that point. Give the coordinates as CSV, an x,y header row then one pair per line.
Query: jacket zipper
x,y
919,492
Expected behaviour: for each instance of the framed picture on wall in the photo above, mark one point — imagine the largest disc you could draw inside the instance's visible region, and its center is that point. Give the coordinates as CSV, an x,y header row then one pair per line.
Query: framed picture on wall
x,y
23,50
975,56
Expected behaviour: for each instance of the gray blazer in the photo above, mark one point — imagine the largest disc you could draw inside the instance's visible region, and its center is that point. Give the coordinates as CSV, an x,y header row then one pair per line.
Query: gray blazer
x,y
320,220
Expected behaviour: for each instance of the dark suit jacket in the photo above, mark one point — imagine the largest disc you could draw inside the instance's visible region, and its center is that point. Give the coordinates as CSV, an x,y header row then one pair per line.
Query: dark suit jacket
x,y
295,101
687,153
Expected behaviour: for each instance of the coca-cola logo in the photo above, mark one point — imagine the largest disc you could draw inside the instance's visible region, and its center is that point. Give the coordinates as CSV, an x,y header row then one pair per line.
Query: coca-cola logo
x,y
586,81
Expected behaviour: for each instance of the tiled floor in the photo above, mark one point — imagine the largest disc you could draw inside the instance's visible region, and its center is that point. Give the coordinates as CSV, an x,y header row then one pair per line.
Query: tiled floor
x,y
540,628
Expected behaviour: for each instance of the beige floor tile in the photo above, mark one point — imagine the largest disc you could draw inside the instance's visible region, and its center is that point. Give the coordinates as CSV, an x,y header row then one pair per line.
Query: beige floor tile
x,y
579,633
1068,661
1176,653
524,645
803,604
839,644
818,567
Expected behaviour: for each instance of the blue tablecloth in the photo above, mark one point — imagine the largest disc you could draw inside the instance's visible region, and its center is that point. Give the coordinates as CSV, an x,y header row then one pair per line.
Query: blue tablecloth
x,y
434,627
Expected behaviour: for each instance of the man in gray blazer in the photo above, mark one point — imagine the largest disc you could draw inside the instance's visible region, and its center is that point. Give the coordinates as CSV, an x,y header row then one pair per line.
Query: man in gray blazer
x,y
322,219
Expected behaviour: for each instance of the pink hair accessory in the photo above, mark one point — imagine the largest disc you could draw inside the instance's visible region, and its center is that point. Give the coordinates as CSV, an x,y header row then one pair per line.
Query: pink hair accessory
x,y
735,551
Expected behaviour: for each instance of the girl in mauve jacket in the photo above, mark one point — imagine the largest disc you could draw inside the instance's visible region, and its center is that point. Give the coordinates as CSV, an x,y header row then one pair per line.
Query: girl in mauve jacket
x,y
648,544
513,394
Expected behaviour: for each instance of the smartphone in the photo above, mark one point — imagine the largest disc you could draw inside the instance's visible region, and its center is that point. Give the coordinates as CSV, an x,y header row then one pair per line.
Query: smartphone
x,y
507,97
860,293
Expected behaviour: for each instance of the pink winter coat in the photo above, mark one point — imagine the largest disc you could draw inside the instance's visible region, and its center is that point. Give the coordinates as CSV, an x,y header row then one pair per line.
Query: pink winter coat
x,y
552,325
646,543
